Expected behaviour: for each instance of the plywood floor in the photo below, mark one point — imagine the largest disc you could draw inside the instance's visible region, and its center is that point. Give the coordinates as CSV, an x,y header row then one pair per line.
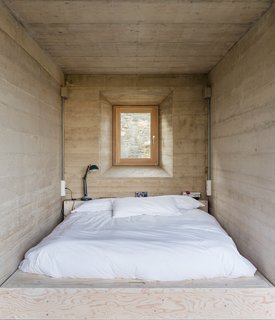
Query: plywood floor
x,y
27,280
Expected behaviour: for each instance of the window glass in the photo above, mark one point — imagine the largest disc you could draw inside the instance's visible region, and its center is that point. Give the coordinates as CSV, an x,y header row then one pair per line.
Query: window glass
x,y
135,134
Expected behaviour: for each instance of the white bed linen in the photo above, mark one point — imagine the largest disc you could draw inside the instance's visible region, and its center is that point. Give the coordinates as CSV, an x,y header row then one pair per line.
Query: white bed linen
x,y
153,206
94,245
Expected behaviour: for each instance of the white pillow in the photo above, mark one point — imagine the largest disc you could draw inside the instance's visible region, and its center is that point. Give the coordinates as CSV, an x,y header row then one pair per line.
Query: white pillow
x,y
95,205
185,202
154,206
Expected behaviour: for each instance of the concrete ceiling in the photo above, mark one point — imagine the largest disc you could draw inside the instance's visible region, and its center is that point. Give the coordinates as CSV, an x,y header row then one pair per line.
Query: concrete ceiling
x,y
137,36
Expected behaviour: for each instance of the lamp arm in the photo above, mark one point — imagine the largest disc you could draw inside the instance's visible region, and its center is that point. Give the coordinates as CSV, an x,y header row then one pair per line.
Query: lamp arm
x,y
85,175
85,186
85,191
84,180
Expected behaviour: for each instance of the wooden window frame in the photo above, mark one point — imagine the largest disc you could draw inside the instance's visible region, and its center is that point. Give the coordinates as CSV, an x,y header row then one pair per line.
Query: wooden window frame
x,y
117,160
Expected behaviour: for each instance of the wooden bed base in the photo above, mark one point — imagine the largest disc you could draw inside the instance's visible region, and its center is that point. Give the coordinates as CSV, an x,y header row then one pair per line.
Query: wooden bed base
x,y
136,303
28,296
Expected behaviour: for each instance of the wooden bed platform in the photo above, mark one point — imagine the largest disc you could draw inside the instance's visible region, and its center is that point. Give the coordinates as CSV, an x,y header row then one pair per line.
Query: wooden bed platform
x,y
28,280
30,296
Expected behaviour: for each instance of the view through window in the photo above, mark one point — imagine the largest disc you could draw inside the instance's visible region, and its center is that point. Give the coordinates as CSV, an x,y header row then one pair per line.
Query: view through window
x,y
135,135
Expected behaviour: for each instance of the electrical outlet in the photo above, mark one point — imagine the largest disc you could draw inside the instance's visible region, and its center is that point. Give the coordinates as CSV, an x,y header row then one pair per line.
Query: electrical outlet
x,y
141,194
209,188
63,188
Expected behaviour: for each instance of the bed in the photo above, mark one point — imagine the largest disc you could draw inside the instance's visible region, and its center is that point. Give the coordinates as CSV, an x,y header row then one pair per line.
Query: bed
x,y
159,238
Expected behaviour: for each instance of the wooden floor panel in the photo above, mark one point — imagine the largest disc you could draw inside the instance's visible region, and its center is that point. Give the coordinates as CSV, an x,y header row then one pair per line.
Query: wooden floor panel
x,y
136,303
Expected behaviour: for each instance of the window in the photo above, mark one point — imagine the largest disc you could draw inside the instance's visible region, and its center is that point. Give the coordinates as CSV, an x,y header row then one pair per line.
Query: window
x,y
135,135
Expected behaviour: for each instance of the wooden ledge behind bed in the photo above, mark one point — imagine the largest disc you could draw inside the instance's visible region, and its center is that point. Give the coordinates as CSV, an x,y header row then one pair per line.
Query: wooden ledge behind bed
x,y
29,296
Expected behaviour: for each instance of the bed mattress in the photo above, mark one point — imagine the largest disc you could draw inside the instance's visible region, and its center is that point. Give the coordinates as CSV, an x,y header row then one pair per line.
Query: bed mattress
x,y
95,245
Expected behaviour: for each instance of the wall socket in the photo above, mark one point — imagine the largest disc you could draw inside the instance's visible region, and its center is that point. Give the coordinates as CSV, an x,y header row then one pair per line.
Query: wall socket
x,y
208,188
63,188
141,194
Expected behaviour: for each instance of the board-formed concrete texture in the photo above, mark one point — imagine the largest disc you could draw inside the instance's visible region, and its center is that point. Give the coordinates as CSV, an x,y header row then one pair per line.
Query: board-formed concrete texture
x,y
144,37
88,124
243,127
29,143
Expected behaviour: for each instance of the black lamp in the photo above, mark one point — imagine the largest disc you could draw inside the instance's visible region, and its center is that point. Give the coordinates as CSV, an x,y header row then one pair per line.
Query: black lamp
x,y
91,167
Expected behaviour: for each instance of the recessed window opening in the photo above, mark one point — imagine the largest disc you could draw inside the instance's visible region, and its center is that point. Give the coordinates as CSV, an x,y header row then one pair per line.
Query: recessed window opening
x,y
135,135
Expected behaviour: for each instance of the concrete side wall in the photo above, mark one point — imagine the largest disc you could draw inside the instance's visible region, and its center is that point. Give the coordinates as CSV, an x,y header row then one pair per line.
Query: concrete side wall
x,y
84,142
243,124
29,143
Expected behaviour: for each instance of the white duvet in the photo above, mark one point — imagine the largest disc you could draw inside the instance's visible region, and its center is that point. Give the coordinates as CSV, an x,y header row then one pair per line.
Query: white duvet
x,y
95,245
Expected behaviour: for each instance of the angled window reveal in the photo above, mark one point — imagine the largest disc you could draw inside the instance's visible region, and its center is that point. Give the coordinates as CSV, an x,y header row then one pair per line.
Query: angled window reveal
x,y
135,135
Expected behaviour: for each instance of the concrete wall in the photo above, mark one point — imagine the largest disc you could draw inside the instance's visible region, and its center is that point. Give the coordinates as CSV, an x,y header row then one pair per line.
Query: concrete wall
x,y
243,124
88,125
29,143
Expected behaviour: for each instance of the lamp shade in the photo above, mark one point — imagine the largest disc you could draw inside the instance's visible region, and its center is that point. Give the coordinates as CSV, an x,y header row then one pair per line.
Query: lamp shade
x,y
93,167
